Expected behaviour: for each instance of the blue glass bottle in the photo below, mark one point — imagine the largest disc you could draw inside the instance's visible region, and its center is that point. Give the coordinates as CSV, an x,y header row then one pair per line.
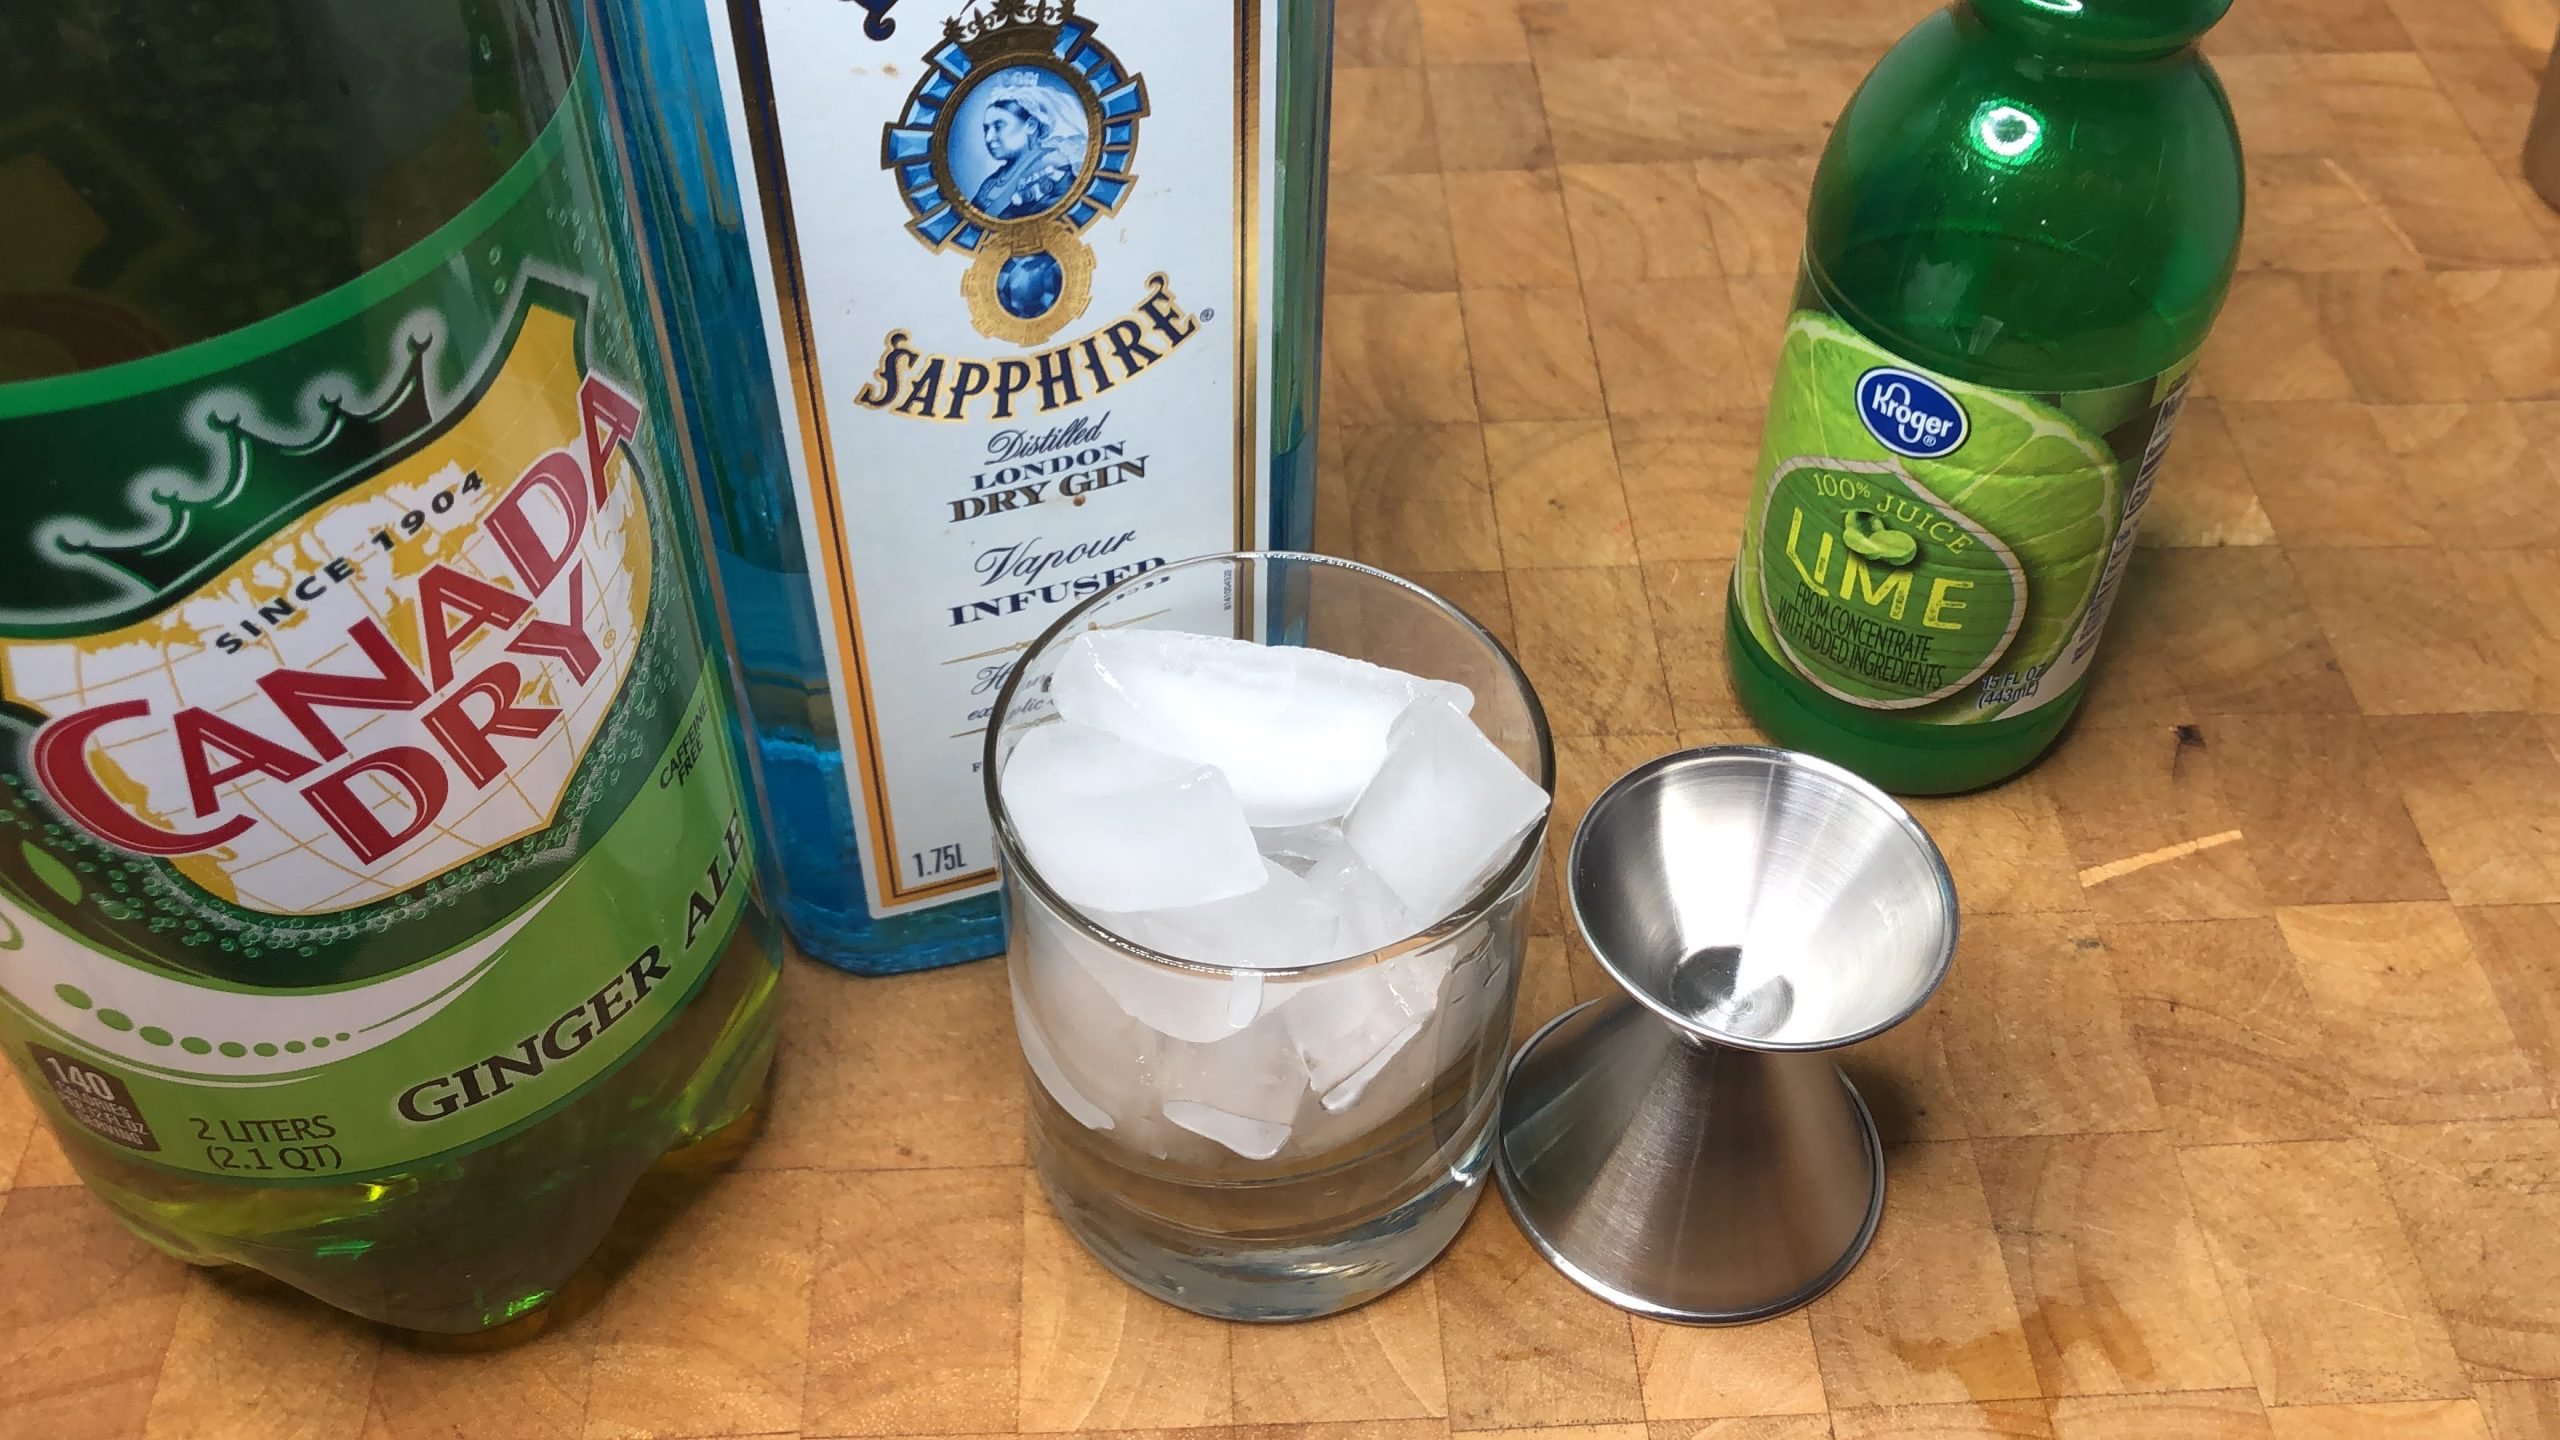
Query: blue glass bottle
x,y
731,262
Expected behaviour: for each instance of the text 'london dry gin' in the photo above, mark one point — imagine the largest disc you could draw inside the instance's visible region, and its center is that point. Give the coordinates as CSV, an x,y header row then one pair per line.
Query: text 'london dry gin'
x,y
983,306
376,882
2020,232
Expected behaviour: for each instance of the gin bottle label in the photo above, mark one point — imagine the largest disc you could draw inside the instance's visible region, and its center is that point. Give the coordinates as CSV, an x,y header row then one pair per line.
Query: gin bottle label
x,y
1013,264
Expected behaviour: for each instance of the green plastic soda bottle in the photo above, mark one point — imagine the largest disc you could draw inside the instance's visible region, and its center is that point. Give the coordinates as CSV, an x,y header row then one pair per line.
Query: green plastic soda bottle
x,y
377,875
2020,233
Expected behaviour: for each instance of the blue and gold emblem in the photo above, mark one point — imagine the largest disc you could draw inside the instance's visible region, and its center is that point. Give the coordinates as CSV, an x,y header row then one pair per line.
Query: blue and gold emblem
x,y
1018,138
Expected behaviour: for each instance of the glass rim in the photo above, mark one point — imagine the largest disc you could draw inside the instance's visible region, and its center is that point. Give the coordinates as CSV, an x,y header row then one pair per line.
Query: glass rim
x,y
1479,903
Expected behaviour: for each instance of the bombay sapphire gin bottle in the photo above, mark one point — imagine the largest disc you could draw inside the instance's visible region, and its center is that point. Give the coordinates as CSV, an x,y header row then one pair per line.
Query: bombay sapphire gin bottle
x,y
982,307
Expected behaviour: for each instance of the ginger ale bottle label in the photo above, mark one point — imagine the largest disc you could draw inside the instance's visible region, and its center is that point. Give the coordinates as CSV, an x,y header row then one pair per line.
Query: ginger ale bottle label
x,y
363,792
1942,550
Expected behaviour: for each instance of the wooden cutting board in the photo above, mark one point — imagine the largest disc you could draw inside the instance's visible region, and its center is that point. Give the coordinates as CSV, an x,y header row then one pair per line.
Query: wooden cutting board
x,y
2236,1117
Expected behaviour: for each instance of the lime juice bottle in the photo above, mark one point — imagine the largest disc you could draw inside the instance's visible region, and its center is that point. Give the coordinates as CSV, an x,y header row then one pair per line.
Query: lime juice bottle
x,y
2020,232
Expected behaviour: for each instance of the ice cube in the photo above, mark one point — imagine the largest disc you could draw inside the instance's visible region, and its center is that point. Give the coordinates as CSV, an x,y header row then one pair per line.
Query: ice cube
x,y
1178,1003
1282,923
1298,846
1114,825
1238,1084
1444,809
1296,731
1346,1027
1244,1091
1084,1048
1475,1000
1052,1075
1347,1093
1250,1138
1369,913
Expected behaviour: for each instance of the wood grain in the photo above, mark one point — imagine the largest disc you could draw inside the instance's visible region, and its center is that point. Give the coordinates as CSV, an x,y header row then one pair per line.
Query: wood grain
x,y
2518,948
2114,1282
540,1387
2035,1035
2416,1029
1097,1355
1556,486
2190,1415
274,1368
1688,479
2236,1117
87,1313
2323,1287
2405,1420
2135,794
1522,1346
1380,1362
1929,1318
2225,1027
2481,1204
915,1073
1706,1372
914,1324
712,1337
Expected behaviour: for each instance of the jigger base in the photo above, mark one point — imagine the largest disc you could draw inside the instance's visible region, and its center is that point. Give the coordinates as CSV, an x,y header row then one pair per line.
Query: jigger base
x,y
1625,1291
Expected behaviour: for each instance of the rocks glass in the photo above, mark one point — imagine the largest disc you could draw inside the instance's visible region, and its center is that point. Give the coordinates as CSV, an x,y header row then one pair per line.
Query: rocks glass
x,y
1270,1142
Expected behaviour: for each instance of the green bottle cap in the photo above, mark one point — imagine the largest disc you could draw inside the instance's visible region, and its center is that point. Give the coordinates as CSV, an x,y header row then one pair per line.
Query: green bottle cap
x,y
2123,28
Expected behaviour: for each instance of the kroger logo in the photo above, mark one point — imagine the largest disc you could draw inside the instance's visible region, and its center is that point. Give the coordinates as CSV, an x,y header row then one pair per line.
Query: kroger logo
x,y
1909,413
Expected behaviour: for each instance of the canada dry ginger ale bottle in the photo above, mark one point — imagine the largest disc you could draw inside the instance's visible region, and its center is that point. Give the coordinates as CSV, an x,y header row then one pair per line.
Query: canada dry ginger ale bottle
x,y
375,896
2020,232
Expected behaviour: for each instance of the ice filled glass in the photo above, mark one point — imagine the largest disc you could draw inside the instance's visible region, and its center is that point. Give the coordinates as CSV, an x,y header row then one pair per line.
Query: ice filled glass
x,y
1268,823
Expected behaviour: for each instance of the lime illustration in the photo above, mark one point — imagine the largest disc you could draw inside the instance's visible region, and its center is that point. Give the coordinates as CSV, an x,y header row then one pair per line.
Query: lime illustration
x,y
1866,532
2039,483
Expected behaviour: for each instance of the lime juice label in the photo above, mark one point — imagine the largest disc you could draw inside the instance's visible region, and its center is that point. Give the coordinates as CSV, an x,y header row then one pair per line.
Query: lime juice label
x,y
1944,551
363,793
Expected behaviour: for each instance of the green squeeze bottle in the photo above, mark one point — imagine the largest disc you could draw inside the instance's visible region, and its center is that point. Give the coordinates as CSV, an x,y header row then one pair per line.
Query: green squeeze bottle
x,y
2020,233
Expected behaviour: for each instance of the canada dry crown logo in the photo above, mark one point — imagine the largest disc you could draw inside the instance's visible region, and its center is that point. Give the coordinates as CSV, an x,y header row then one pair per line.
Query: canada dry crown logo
x,y
1020,135
370,654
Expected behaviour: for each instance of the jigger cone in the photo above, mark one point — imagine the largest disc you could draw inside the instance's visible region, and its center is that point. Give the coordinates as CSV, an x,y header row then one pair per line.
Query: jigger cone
x,y
1689,1151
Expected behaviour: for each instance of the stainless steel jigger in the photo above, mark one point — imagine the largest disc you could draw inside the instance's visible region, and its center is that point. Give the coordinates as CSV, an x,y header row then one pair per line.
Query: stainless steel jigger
x,y
1688,1151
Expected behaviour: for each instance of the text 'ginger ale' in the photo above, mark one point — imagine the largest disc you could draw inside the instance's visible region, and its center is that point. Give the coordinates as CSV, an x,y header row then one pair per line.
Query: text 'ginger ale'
x,y
2020,232
376,894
